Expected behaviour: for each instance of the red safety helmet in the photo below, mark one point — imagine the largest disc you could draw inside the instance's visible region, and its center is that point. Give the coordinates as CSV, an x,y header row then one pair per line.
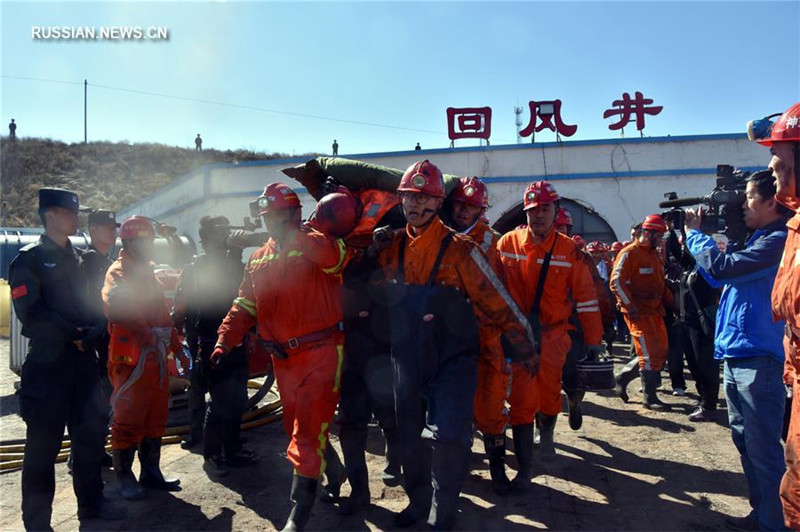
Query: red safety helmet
x,y
626,243
655,222
578,239
617,246
137,227
423,178
336,214
786,129
472,191
563,217
595,245
539,193
277,196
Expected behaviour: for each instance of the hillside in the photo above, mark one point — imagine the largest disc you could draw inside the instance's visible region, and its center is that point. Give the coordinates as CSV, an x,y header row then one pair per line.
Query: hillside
x,y
104,174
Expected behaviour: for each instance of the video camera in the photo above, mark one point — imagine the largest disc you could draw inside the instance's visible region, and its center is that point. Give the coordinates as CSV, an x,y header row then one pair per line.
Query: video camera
x,y
723,207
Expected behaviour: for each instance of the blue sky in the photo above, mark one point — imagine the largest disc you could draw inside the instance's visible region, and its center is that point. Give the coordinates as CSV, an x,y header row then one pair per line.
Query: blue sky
x,y
712,65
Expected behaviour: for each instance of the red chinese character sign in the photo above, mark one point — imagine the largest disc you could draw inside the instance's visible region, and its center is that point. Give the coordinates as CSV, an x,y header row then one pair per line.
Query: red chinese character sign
x,y
548,116
469,123
626,107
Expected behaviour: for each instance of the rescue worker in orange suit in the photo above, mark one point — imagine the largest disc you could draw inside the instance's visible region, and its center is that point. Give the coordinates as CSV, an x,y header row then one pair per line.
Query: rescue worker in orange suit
x,y
142,336
292,291
569,372
566,284
638,282
784,145
367,371
469,202
203,296
60,386
429,273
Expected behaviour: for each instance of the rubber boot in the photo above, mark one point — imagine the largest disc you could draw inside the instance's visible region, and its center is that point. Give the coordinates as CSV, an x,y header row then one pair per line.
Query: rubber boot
x,y
127,486
304,492
335,475
354,442
575,415
449,468
547,424
523,450
649,384
150,459
392,474
495,445
624,377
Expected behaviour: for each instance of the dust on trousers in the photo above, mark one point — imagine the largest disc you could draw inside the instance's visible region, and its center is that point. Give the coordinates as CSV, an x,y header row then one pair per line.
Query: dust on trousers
x,y
541,393
309,382
649,336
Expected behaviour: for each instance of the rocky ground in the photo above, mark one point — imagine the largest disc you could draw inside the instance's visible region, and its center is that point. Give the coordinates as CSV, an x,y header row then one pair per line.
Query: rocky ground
x,y
627,469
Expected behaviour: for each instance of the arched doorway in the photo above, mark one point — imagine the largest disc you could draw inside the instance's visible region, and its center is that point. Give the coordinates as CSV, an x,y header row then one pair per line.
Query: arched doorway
x,y
587,223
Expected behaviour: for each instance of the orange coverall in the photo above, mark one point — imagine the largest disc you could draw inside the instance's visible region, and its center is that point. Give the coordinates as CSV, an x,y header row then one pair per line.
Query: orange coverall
x,y
786,305
490,394
133,301
638,282
568,282
464,267
291,292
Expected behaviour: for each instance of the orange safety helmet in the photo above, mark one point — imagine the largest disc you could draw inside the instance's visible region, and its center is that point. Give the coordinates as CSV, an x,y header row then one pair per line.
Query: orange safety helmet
x,y
578,239
472,191
277,196
563,217
539,193
786,129
655,222
423,177
337,213
617,246
137,227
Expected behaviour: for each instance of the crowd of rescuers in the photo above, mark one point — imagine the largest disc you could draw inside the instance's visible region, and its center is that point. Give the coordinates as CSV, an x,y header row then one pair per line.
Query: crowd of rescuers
x,y
406,306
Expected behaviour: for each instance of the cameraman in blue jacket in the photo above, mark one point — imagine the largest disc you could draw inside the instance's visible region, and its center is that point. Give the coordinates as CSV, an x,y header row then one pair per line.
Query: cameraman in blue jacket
x,y
750,344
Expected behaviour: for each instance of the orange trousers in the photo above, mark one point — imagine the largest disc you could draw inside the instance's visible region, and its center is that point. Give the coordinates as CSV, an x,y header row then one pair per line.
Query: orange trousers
x,y
649,340
790,485
141,410
541,393
309,388
490,394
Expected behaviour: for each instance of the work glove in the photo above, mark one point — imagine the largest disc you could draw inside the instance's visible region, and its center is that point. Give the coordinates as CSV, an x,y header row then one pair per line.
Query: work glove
x,y
217,357
275,349
330,186
531,364
381,238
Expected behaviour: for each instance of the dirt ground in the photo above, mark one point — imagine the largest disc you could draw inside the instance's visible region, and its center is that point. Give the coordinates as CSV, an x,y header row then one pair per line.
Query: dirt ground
x,y
627,469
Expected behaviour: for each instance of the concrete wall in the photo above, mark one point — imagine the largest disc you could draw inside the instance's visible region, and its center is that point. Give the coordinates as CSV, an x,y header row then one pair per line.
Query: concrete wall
x,y
623,180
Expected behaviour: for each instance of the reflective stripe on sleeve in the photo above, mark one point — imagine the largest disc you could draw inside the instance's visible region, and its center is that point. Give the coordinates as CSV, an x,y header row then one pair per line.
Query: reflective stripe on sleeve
x,y
342,256
617,269
556,263
245,304
589,309
513,255
587,303
644,271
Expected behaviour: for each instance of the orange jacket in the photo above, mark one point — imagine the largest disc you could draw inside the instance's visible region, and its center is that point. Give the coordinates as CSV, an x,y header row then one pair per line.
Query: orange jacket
x,y
289,292
568,281
786,291
134,302
486,238
464,267
638,281
375,204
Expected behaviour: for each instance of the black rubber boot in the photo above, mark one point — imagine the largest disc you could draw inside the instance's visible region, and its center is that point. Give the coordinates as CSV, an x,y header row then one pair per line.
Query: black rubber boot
x,y
354,442
495,445
392,475
575,415
547,424
335,475
304,492
624,377
127,486
449,468
649,385
523,450
150,459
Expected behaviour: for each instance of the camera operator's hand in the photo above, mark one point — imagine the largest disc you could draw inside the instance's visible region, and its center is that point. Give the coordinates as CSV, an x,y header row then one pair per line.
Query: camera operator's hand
x,y
693,219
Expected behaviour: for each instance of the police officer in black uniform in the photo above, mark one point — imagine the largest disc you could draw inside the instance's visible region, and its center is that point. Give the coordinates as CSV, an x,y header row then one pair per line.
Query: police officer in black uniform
x,y
205,291
60,385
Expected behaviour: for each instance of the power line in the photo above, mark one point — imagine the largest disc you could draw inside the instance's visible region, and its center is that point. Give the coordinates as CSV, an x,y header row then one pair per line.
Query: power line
x,y
226,104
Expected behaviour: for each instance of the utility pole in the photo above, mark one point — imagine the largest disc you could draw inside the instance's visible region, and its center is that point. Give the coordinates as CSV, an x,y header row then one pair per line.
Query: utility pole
x,y
518,122
85,89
